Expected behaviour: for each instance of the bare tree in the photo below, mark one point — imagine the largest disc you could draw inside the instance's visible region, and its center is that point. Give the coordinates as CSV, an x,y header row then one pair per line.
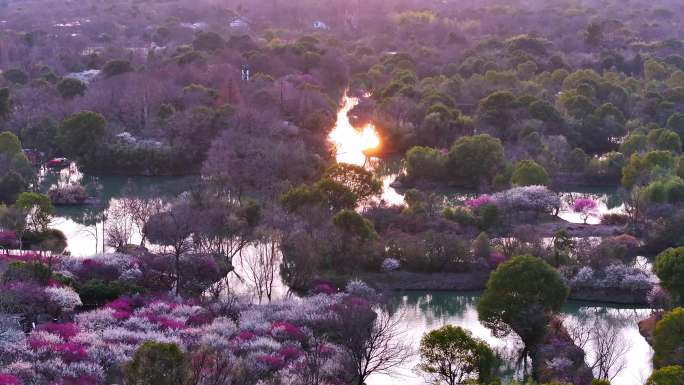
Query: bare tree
x,y
372,342
173,228
603,342
260,263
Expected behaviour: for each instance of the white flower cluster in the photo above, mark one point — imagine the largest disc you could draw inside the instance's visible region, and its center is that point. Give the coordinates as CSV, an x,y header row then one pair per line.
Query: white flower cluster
x,y
360,289
614,277
528,198
390,264
64,297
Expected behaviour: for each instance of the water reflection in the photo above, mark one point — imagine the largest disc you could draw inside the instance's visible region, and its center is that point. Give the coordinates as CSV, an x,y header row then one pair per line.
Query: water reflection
x,y
425,311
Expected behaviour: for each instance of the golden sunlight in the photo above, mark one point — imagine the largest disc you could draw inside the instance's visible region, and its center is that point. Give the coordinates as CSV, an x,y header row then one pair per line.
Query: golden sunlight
x,y
350,143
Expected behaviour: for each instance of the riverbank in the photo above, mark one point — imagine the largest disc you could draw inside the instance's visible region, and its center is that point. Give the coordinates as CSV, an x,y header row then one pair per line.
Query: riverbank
x,y
476,281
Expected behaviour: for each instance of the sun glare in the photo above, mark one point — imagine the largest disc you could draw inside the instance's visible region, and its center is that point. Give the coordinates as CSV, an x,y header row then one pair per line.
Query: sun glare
x,y
351,143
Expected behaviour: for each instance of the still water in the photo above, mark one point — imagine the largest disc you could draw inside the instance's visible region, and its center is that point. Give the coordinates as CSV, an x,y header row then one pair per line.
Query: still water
x,y
421,312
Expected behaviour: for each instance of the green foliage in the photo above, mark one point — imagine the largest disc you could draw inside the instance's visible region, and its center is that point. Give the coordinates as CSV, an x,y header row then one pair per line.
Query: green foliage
x,y
300,197
668,375
529,173
27,271
41,135
96,292
668,339
669,268
676,123
116,67
156,363
11,185
15,76
70,88
425,163
80,135
664,139
5,103
9,144
38,208
361,182
481,247
474,161
641,169
521,295
634,143
600,382
452,355
336,195
665,190
353,224
208,41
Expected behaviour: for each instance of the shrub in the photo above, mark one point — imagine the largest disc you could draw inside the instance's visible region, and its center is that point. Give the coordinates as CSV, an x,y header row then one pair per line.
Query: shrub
x,y
156,363
529,198
425,163
360,289
669,268
390,264
67,195
669,375
529,173
668,339
474,161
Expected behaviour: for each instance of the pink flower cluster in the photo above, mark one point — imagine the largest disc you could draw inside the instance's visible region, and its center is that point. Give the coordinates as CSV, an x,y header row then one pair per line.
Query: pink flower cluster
x,y
480,201
8,379
583,205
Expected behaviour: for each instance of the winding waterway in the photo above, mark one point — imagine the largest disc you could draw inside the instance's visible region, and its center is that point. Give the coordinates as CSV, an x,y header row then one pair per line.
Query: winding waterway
x,y
420,312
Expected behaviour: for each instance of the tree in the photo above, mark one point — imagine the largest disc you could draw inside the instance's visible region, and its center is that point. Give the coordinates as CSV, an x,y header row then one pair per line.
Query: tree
x,y
11,185
371,341
521,296
668,375
5,103
361,182
116,67
156,363
474,161
664,139
668,339
173,228
38,209
529,173
425,163
208,41
642,169
450,354
670,269
70,88
80,135
15,76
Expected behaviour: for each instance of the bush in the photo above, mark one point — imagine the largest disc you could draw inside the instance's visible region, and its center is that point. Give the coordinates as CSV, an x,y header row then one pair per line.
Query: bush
x,y
669,375
665,190
156,363
529,198
68,195
668,339
425,163
116,67
669,268
529,173
474,161
96,292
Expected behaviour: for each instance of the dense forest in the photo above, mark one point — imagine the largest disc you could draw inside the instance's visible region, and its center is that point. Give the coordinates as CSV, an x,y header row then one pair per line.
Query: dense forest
x,y
262,187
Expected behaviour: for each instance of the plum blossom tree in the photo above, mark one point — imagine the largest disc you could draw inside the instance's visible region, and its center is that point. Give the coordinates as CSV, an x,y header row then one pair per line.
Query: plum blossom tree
x,y
585,207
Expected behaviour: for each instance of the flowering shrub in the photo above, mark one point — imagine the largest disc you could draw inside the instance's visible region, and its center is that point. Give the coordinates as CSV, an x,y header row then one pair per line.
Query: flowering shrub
x,y
478,202
8,379
390,264
72,194
613,277
267,340
105,266
585,207
528,198
359,288
64,297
